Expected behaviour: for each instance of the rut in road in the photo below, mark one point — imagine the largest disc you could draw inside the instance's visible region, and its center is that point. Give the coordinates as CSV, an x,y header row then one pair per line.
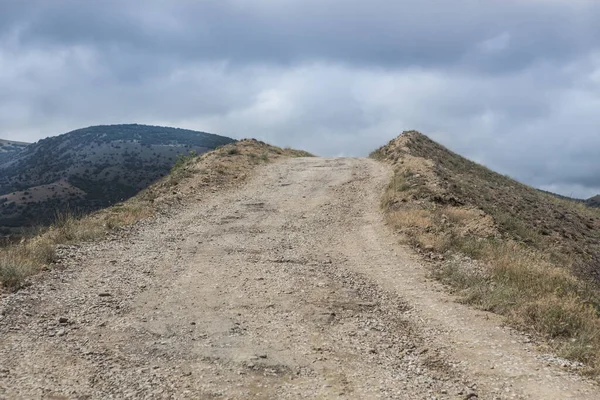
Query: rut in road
x,y
287,287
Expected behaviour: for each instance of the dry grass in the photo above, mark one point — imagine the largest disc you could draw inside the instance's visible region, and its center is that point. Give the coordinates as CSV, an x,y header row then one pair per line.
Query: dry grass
x,y
531,256
411,218
14,268
19,261
192,177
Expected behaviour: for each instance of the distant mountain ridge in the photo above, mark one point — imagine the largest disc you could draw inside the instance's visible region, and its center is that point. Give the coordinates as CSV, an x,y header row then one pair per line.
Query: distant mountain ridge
x,y
4,142
593,201
89,168
8,148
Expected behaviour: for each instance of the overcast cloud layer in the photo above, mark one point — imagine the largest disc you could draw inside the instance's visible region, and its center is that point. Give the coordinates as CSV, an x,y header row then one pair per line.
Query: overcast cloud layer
x,y
514,85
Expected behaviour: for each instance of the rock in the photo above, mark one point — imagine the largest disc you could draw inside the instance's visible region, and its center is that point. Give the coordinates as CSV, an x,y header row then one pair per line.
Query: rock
x,y
63,320
61,332
104,294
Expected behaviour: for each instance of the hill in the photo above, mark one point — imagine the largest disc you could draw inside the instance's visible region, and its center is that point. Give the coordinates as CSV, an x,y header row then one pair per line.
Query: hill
x,y
594,201
9,148
506,247
90,168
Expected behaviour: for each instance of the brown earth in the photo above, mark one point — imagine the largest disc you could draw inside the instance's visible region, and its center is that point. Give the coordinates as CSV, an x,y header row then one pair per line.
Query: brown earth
x,y
288,286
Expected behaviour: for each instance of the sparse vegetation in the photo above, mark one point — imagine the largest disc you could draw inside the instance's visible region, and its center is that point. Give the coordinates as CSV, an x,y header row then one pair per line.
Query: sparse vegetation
x,y
13,269
182,159
193,175
90,169
264,157
507,248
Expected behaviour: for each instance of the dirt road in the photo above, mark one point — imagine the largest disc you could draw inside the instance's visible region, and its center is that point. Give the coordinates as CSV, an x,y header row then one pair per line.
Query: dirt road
x,y
290,287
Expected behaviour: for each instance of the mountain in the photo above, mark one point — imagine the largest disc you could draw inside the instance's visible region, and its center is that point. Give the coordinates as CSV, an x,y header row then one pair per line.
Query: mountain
x,y
594,201
89,168
8,148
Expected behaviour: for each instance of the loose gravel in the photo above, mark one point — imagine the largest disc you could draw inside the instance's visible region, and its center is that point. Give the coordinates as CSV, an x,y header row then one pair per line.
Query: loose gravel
x,y
288,287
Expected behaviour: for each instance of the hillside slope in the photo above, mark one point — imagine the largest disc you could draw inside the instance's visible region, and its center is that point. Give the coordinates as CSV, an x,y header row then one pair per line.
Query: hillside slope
x,y
9,148
530,255
90,168
593,201
519,212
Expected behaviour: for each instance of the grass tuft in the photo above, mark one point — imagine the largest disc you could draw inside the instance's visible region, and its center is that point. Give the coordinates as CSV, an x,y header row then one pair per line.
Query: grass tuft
x,y
13,270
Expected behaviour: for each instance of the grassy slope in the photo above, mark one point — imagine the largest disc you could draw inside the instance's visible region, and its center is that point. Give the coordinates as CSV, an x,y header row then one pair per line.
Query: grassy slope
x,y
191,177
506,247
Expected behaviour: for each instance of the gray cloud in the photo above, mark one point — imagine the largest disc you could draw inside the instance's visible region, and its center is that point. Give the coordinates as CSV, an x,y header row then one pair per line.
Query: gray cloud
x,y
495,36
512,84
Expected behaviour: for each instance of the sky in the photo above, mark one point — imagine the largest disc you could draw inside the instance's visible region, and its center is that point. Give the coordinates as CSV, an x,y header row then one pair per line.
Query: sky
x,y
511,84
